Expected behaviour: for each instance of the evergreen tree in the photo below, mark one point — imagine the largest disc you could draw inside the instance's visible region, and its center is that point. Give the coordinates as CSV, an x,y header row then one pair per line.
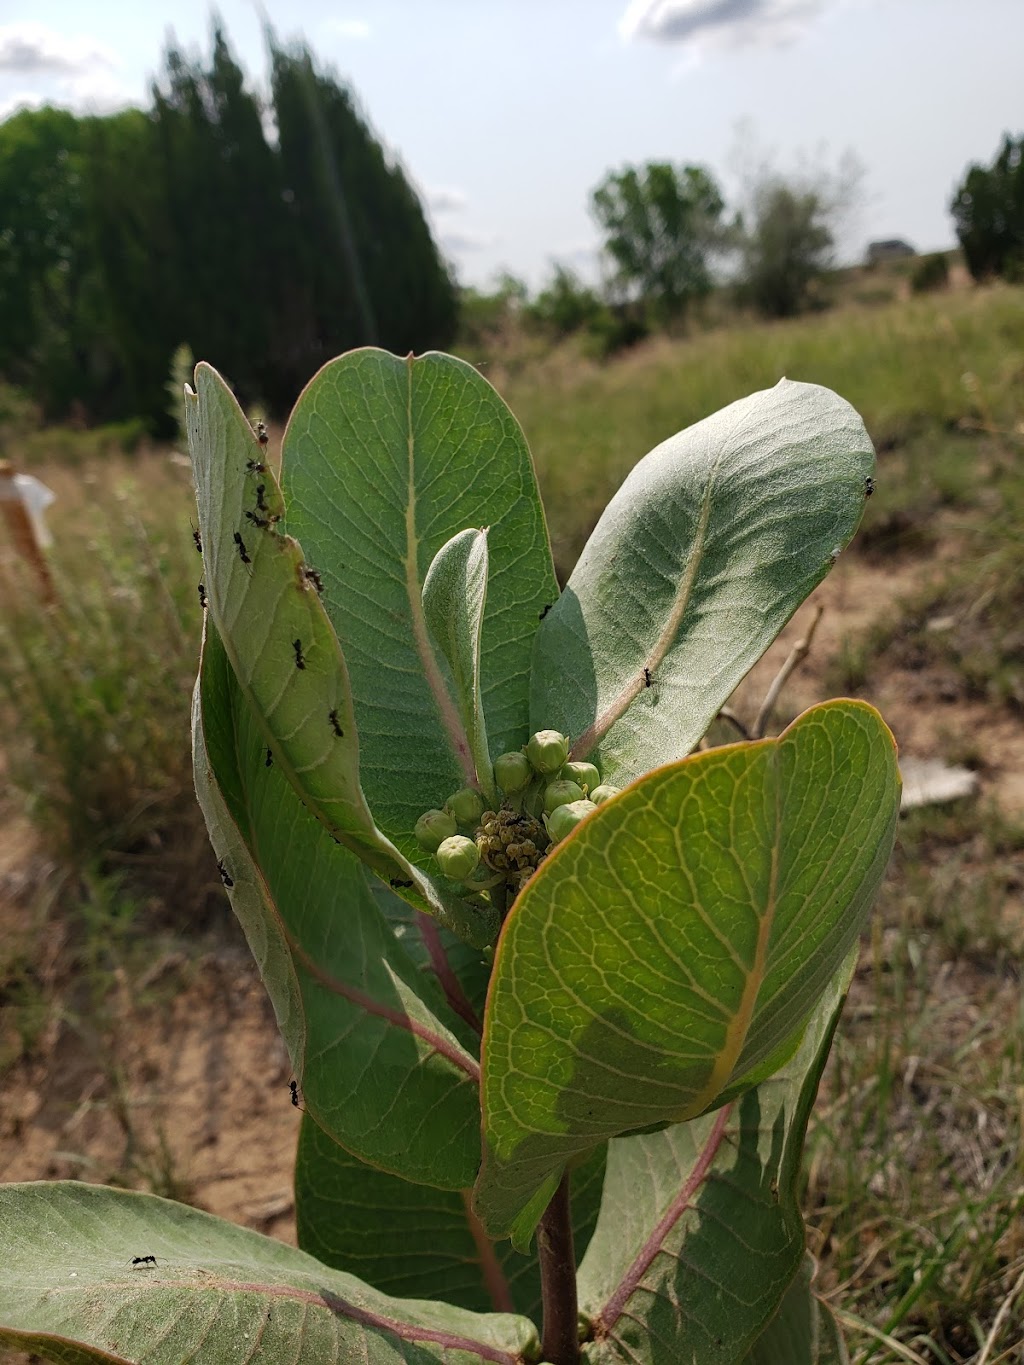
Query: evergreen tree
x,y
988,209
125,237
366,265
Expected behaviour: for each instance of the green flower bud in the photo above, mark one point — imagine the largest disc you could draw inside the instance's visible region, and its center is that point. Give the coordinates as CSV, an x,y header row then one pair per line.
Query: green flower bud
x,y
432,827
604,792
547,751
563,819
457,857
560,794
512,772
585,775
466,805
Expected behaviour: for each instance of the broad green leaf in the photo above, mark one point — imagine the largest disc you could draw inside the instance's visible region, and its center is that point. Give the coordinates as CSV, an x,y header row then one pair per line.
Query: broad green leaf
x,y
462,971
218,1293
414,1242
700,1233
454,597
803,1332
698,561
384,461
386,1066
281,644
676,939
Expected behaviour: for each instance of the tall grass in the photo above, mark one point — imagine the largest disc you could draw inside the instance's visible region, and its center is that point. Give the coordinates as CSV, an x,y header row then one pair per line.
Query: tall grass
x,y
95,691
903,366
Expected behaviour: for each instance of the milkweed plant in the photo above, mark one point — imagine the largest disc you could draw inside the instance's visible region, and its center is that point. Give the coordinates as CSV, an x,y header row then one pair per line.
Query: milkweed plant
x,y
557,980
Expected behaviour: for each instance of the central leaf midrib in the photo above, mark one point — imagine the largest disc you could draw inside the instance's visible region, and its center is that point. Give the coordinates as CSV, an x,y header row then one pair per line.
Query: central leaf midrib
x,y
614,712
739,1025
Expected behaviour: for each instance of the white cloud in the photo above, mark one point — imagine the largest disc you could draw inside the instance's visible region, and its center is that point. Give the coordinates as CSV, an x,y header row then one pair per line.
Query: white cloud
x,y
347,28
34,50
719,22
75,72
444,199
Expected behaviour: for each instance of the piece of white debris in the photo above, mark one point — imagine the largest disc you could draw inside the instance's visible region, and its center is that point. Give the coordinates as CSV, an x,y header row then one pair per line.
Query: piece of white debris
x,y
929,782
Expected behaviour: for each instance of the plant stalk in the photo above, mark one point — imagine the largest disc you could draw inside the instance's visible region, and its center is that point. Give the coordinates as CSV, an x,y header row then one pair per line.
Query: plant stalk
x,y
560,1338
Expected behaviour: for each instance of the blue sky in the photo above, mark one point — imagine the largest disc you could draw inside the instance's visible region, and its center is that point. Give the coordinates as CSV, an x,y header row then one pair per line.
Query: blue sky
x,y
506,113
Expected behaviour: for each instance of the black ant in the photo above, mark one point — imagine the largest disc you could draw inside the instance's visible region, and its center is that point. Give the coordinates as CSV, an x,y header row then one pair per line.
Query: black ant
x,y
648,678
202,595
261,522
261,433
255,466
269,759
224,874
398,884
261,505
299,660
332,716
311,576
143,1260
869,487
293,1086
197,541
241,548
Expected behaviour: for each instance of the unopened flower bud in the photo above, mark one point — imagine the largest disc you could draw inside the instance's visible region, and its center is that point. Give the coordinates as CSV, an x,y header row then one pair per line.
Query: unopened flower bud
x,y
512,772
604,792
547,751
432,827
563,819
560,794
457,857
466,805
585,775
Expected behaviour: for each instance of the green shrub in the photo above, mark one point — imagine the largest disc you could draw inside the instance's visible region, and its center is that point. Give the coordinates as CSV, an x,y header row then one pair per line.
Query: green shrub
x,y
930,272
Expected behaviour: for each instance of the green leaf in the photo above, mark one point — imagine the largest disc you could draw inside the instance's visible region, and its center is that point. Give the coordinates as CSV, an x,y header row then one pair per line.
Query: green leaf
x,y
698,561
462,971
217,1292
414,1242
385,460
282,647
700,1233
385,1063
804,1331
454,597
676,939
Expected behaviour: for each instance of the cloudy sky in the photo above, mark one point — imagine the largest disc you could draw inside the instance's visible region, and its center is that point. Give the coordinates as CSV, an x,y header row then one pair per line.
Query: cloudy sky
x,y
506,113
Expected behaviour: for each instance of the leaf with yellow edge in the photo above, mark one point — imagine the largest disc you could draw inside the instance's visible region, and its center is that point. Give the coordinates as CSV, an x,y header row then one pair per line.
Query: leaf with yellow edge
x,y
676,940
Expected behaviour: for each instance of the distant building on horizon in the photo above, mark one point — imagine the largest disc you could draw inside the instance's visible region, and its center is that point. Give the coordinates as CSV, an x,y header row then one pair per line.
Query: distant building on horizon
x,y
892,249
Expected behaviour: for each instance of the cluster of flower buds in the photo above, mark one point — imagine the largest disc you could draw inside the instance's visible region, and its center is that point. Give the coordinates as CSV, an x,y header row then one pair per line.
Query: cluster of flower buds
x,y
438,831
544,797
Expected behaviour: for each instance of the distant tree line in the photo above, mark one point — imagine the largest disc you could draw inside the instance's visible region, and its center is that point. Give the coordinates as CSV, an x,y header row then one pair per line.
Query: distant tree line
x,y
127,236
668,240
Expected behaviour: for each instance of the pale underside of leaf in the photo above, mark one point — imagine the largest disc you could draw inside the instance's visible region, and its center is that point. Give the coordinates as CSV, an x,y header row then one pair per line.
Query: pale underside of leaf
x,y
217,1292
700,1231
711,544
454,598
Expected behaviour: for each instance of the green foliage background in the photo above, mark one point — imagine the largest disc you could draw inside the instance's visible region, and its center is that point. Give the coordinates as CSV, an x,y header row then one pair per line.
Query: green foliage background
x,y
129,235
